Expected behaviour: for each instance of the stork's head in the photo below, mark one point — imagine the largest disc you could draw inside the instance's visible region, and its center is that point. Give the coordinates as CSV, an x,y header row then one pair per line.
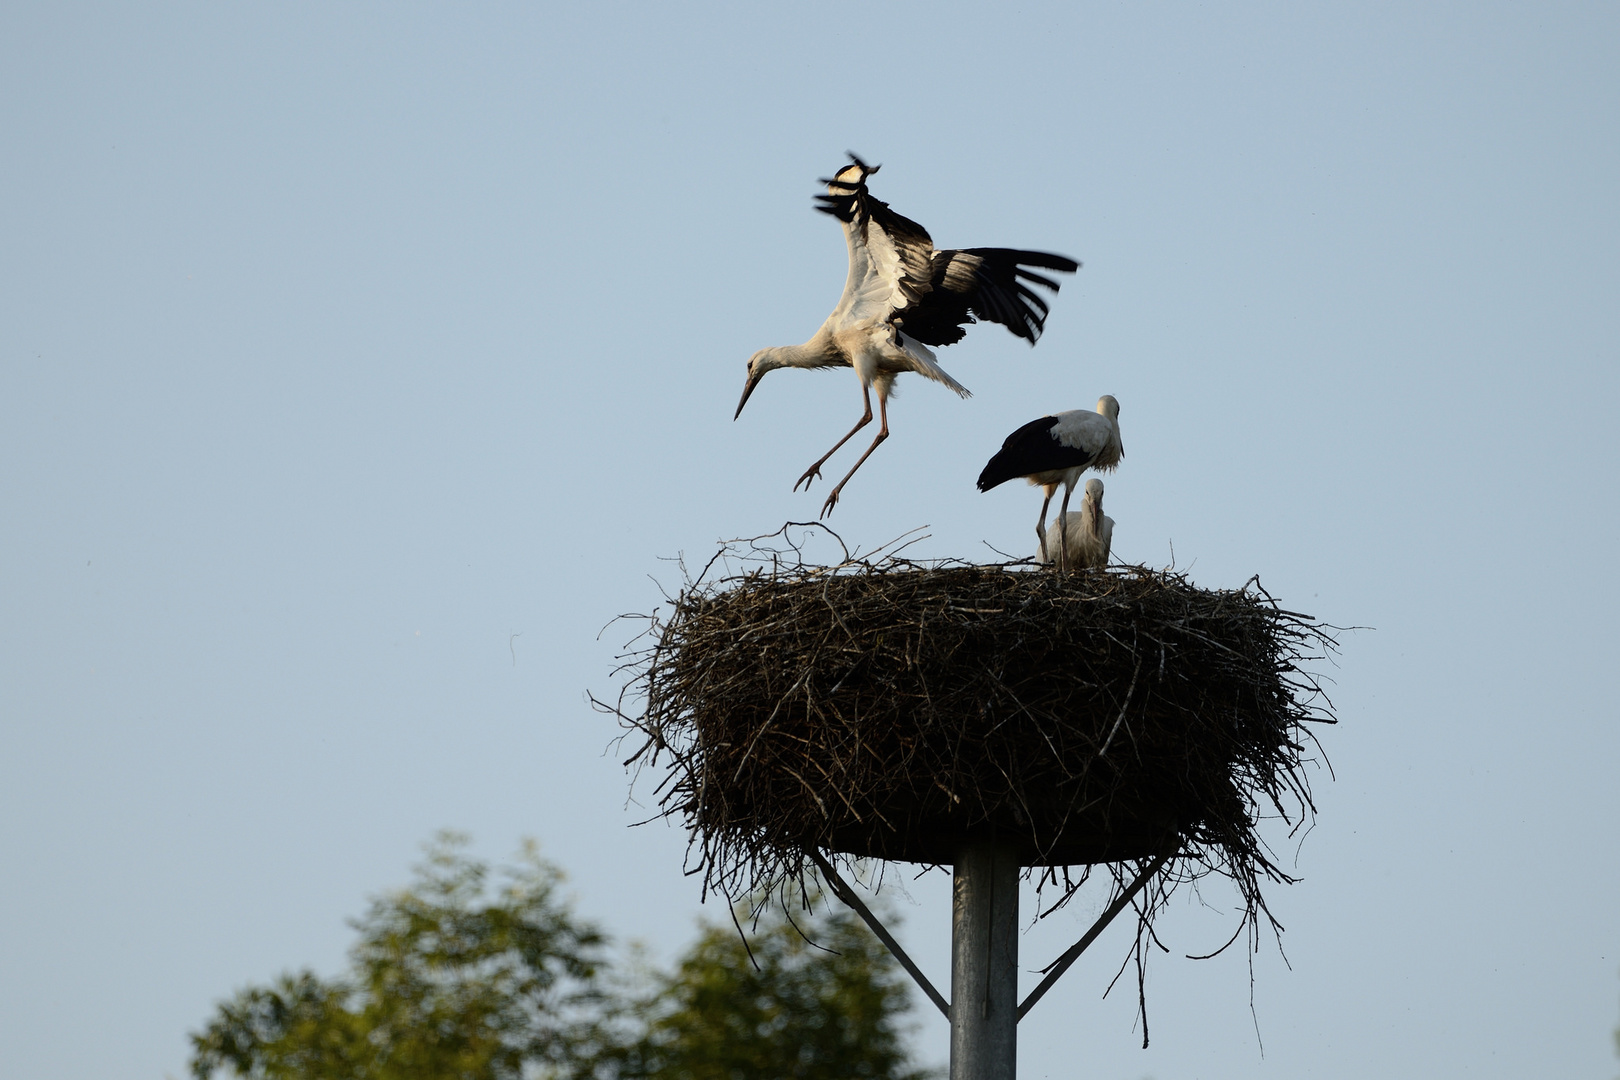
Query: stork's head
x,y
1108,405
1091,514
758,364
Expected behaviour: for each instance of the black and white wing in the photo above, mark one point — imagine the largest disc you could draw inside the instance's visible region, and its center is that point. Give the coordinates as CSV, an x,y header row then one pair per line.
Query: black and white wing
x,y
932,296
890,256
992,284
1036,448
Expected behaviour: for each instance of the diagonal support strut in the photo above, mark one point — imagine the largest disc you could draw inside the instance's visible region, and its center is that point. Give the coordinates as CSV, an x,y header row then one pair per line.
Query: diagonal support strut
x,y
1057,967
848,895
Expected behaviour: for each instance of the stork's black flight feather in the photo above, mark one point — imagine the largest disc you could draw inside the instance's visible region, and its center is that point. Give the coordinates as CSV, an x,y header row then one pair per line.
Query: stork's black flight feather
x,y
1033,448
948,290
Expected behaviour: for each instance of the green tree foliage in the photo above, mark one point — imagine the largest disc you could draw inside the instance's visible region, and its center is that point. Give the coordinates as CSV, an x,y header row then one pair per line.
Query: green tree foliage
x,y
451,982
822,1011
447,981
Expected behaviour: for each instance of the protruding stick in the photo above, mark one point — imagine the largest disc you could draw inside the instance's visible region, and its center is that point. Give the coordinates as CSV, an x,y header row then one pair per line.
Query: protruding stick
x,y
1056,969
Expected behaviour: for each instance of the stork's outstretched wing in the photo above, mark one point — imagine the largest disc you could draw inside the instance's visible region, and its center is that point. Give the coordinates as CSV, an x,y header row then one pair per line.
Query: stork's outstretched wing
x,y
982,283
932,296
890,256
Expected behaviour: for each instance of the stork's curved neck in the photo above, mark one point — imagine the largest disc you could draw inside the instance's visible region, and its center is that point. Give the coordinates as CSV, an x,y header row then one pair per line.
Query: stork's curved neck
x,y
815,353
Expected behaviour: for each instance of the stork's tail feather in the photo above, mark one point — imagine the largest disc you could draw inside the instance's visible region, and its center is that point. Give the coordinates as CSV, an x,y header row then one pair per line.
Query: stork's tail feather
x,y
928,364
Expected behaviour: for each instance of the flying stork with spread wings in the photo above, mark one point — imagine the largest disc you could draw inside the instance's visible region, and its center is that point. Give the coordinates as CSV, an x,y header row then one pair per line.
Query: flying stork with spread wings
x,y
903,295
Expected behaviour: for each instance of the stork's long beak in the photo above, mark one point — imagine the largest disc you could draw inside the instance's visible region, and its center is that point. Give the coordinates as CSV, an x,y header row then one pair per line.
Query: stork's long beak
x,y
748,388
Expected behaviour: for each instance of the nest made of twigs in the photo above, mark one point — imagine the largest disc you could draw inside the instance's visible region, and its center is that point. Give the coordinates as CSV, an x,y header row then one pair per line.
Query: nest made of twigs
x,y
884,708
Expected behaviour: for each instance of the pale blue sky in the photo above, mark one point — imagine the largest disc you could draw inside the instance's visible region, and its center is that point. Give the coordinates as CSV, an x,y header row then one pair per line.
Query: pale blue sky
x,y
340,345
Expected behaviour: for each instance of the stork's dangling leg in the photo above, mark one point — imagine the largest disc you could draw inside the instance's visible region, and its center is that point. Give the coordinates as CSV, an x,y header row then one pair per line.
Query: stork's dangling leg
x,y
1063,547
1040,526
883,412
815,470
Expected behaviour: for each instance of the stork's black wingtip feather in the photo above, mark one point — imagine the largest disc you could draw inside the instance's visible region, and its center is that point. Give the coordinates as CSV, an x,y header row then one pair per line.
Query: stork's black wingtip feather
x,y
992,476
856,159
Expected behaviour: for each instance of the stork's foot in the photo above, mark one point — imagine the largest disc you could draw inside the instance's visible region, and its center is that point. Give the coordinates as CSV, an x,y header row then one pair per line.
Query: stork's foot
x,y
832,501
812,473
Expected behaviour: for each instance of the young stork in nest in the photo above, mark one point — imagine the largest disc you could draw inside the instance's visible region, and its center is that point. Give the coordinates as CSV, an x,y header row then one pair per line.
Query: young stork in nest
x,y
1082,539
1056,450
902,296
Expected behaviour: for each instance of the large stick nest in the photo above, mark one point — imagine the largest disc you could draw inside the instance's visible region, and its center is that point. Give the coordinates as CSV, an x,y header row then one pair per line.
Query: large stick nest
x,y
884,708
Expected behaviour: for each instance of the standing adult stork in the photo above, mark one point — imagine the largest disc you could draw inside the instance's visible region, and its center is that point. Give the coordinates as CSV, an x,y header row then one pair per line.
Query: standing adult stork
x,y
1056,450
900,297
1082,539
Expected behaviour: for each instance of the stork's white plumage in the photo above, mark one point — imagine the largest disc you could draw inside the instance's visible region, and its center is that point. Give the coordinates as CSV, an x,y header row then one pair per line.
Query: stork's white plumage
x,y
1085,537
900,297
1056,450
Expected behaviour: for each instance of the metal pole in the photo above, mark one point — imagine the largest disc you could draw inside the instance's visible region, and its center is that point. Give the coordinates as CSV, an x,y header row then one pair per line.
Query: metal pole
x,y
984,962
